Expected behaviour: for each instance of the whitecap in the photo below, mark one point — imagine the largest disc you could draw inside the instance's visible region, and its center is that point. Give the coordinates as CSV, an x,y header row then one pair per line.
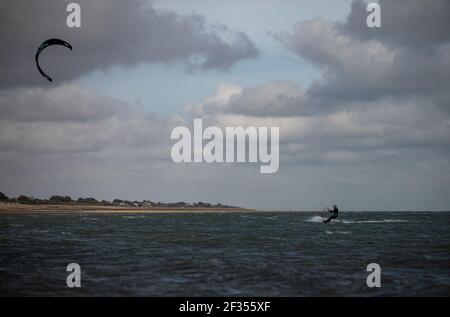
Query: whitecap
x,y
338,232
374,221
89,218
133,217
315,219
39,231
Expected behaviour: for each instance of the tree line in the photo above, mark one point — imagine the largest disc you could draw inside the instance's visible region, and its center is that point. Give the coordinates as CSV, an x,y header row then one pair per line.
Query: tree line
x,y
59,199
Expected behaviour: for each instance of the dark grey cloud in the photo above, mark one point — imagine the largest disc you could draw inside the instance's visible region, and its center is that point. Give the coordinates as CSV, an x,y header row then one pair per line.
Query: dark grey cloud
x,y
420,24
113,32
359,68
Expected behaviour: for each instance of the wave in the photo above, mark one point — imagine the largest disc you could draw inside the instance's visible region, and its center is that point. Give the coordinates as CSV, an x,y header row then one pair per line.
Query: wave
x,y
39,231
374,221
321,219
89,218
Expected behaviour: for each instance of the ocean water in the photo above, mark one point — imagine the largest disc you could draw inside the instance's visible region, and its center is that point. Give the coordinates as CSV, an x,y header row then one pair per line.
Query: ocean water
x,y
225,254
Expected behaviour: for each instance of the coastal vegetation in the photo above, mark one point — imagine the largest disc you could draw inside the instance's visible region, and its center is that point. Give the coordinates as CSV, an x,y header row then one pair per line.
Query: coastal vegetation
x,y
67,200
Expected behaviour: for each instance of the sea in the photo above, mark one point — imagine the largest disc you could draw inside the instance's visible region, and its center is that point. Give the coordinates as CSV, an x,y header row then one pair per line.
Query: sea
x,y
225,254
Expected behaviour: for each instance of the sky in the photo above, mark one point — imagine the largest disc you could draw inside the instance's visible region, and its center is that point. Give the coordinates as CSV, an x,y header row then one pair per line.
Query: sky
x,y
364,114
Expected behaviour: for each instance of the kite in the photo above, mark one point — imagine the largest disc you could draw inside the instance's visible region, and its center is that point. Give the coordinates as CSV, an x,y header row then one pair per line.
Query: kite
x,y
42,47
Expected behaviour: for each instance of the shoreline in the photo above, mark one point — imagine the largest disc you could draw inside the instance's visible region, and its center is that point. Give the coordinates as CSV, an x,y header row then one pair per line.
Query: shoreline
x,y
78,208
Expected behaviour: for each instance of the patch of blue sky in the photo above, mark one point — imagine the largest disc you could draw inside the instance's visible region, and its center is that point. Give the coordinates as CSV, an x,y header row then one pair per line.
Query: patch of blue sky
x,y
168,89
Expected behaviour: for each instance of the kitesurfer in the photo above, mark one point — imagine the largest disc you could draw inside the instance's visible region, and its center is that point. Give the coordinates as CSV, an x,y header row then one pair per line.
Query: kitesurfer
x,y
334,214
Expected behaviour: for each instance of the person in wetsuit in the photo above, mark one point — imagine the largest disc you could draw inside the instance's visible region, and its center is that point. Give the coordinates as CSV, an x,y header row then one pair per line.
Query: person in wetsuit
x,y
334,214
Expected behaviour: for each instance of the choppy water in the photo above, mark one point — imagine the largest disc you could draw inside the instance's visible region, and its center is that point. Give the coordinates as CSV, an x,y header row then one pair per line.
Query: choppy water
x,y
220,254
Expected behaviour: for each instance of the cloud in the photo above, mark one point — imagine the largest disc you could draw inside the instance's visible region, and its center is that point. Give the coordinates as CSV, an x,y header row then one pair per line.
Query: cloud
x,y
112,33
409,54
417,24
269,99
63,104
389,123
365,69
70,118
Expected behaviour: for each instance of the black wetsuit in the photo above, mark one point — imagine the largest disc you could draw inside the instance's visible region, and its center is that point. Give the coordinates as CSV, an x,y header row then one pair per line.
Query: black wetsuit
x,y
334,214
